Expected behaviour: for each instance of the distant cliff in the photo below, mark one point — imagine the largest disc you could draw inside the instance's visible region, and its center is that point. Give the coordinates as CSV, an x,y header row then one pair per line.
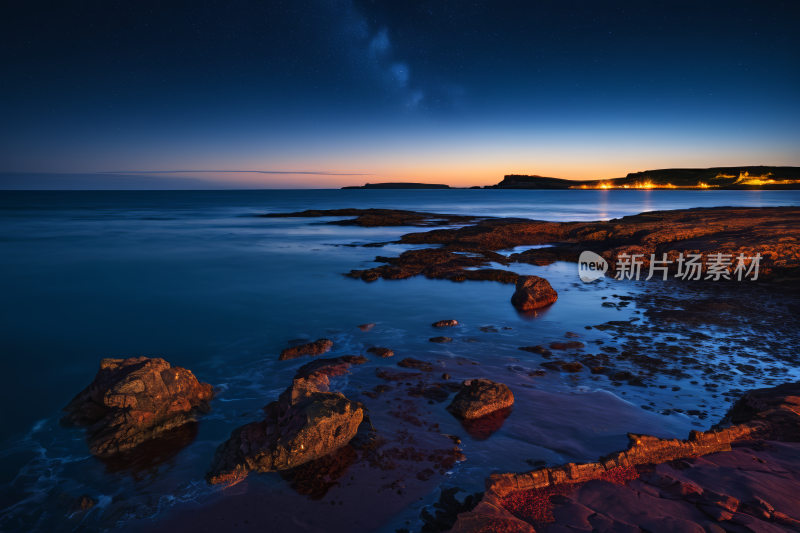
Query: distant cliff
x,y
518,181
719,177
746,177
398,186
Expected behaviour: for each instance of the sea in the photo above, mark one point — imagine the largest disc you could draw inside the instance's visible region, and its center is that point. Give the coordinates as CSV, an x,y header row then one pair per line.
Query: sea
x,y
197,278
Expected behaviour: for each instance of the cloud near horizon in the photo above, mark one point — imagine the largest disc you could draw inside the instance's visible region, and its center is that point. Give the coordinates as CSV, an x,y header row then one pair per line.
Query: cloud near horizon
x,y
153,180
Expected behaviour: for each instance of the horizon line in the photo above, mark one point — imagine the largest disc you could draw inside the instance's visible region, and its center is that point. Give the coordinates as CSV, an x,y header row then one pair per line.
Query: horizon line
x,y
323,173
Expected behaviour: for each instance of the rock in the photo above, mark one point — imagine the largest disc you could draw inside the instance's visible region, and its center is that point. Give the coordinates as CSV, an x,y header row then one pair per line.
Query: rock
x,y
445,376
569,345
132,400
366,327
533,292
622,375
777,406
447,509
564,366
366,435
410,362
479,397
440,339
541,350
307,422
456,439
492,521
380,352
443,323
534,257
318,347
82,503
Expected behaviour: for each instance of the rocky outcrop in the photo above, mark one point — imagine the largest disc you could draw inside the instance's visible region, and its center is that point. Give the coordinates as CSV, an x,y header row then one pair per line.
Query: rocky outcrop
x,y
534,257
760,414
133,400
305,423
768,231
443,323
367,327
440,264
380,352
779,407
318,347
480,397
533,292
440,340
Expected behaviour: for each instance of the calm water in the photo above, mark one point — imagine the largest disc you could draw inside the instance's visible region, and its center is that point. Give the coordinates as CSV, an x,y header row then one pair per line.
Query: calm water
x,y
194,278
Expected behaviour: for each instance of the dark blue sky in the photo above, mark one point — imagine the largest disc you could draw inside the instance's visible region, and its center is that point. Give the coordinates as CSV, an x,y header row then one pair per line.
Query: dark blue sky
x,y
447,91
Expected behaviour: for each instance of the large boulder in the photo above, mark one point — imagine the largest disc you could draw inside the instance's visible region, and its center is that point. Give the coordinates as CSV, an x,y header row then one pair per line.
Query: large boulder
x,y
318,347
444,323
132,400
305,423
479,397
533,292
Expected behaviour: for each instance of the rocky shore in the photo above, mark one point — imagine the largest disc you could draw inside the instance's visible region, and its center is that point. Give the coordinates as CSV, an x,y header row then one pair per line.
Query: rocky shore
x,y
465,253
744,477
383,446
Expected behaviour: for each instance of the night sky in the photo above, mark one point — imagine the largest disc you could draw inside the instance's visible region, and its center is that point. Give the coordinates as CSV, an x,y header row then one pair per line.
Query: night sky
x,y
325,93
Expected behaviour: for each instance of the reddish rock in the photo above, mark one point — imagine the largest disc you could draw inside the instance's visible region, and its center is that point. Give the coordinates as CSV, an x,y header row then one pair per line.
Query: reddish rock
x,y
132,400
307,422
443,323
563,366
533,292
479,397
777,406
82,503
380,352
318,347
534,257
440,339
410,362
488,518
366,327
568,345
541,350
